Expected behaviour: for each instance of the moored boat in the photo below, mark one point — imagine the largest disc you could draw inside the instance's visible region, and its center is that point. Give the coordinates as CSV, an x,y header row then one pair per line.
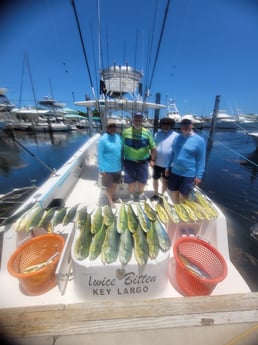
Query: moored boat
x,y
254,136
173,113
223,121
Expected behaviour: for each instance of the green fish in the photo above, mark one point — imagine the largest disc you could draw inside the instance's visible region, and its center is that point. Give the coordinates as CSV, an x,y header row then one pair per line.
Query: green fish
x,y
96,220
190,212
153,242
70,214
122,219
171,211
46,218
183,215
58,216
109,251
141,250
150,212
143,219
108,215
83,242
34,218
20,224
82,216
164,240
162,213
97,242
205,202
125,247
199,210
131,219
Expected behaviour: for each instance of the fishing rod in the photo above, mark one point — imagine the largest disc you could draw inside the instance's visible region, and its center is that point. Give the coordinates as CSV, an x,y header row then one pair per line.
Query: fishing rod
x,y
159,43
83,47
11,135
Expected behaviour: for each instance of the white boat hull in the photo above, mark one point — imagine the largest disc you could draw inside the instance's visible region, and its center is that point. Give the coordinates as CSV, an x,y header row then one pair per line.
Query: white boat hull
x,y
65,316
254,136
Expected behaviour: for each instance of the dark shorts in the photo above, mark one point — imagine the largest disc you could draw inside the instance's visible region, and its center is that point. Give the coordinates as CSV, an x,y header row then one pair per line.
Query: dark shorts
x,y
180,183
159,172
136,171
109,178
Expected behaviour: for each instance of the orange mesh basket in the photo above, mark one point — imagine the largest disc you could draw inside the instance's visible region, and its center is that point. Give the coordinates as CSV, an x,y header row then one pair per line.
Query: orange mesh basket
x,y
199,266
36,251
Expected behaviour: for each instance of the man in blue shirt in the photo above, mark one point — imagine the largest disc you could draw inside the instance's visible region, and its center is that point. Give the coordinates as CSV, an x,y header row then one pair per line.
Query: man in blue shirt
x,y
110,160
187,162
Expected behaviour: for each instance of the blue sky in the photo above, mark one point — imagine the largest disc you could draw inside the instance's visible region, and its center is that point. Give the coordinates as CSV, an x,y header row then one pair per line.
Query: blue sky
x,y
209,48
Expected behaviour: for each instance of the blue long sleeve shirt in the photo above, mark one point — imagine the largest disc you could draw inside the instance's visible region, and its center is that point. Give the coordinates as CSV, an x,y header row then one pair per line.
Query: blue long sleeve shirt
x,y
188,156
109,153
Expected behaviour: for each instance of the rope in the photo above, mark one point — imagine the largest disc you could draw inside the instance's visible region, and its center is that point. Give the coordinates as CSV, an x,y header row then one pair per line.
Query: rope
x,y
242,335
234,151
11,135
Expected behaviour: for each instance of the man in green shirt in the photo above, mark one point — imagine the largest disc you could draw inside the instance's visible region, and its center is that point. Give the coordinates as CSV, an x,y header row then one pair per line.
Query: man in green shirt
x,y
139,150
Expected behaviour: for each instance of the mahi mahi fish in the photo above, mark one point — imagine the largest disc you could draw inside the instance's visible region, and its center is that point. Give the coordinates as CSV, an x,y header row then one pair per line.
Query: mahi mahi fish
x,y
141,250
109,250
96,220
132,220
125,247
153,242
143,219
97,242
164,240
108,215
122,219
83,242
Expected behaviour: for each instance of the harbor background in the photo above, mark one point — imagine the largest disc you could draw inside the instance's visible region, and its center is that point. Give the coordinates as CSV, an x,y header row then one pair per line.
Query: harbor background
x,y
230,179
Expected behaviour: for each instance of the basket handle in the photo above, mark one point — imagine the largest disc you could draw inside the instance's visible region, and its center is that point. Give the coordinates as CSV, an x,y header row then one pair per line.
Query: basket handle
x,y
204,239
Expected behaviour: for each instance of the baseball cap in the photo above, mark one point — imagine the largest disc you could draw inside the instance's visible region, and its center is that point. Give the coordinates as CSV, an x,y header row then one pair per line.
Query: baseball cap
x,y
186,120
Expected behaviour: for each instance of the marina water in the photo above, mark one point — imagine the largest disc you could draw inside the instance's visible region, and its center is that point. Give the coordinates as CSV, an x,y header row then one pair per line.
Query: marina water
x,y
231,180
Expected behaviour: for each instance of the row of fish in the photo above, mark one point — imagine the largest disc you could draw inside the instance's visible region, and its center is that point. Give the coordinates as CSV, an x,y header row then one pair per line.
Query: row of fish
x,y
128,216
37,217
118,236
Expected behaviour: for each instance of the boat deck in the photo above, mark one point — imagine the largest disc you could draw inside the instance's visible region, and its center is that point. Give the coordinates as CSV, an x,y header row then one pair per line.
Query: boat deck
x,y
88,191
59,318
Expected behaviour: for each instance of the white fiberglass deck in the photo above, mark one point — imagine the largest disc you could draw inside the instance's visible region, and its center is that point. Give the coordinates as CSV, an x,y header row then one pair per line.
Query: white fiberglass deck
x,y
87,191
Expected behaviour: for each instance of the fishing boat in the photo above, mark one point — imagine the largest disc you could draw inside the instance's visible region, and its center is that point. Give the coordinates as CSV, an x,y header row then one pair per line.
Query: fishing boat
x,y
91,300
65,314
134,302
5,110
223,121
254,136
173,113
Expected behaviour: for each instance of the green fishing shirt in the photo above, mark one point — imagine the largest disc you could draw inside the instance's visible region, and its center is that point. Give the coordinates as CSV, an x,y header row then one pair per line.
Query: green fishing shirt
x,y
137,143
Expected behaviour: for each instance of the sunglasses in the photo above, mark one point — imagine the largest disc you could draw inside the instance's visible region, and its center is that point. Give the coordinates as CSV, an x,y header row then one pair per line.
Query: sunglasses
x,y
112,126
165,123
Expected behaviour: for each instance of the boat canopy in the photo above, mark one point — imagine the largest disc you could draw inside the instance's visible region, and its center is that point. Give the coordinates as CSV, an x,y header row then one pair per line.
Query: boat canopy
x,y
120,104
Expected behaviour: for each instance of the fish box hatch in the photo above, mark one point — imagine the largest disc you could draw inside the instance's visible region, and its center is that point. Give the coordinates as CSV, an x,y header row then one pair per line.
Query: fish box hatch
x,y
199,266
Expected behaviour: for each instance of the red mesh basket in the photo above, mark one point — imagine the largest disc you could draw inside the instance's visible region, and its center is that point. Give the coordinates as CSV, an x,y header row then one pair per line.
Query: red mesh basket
x,y
36,251
199,266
